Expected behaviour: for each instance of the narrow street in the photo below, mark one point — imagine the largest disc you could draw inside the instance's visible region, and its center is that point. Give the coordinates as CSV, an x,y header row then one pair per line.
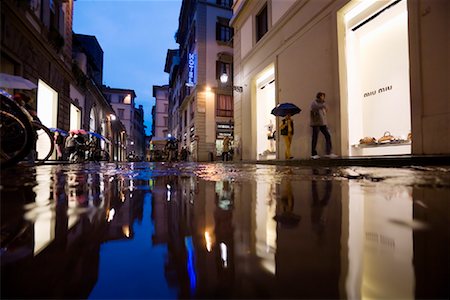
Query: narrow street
x,y
233,230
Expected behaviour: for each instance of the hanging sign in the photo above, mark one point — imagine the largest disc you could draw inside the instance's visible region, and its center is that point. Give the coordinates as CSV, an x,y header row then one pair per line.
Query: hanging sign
x,y
191,67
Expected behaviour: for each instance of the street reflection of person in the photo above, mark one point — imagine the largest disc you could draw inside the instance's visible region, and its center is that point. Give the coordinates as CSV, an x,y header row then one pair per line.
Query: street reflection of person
x,y
285,215
318,205
287,131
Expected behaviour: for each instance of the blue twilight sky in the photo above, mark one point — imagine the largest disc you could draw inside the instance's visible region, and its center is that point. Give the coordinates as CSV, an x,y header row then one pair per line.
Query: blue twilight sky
x,y
134,36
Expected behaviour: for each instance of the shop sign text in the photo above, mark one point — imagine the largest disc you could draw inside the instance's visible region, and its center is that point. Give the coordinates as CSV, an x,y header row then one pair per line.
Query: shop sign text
x,y
379,91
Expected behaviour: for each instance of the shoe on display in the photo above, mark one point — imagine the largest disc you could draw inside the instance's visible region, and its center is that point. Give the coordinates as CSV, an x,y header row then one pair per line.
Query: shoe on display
x,y
315,156
332,155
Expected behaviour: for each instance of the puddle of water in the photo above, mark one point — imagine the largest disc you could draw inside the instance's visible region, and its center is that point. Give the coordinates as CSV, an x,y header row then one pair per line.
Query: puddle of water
x,y
221,231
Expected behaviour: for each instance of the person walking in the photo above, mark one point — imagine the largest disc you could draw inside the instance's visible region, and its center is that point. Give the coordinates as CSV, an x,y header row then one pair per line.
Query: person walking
x,y
287,131
70,145
59,141
318,122
226,148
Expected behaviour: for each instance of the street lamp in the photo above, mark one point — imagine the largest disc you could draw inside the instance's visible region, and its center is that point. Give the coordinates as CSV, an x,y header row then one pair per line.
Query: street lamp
x,y
224,79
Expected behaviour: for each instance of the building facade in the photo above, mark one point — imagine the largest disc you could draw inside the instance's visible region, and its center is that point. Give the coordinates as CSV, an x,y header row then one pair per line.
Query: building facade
x,y
89,108
123,102
161,117
200,106
37,43
375,60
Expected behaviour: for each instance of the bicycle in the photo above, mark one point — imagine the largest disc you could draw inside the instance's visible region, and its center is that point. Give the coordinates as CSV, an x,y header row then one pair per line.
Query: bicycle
x,y
20,135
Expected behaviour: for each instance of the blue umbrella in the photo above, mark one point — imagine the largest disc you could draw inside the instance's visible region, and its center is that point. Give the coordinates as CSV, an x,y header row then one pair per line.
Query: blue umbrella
x,y
60,131
99,136
284,109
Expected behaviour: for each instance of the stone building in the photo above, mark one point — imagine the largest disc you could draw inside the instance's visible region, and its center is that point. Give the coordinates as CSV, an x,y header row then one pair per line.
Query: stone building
x,y
37,43
377,61
200,106
123,102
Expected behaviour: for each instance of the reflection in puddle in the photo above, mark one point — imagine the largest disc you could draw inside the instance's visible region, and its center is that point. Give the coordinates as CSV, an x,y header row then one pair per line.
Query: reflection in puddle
x,y
209,231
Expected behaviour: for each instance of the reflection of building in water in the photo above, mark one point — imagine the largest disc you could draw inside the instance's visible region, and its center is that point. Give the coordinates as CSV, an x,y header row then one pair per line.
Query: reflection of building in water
x,y
66,220
380,251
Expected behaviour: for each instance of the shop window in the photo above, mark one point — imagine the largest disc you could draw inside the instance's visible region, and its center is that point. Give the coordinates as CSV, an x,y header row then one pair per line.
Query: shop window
x,y
261,23
224,33
224,106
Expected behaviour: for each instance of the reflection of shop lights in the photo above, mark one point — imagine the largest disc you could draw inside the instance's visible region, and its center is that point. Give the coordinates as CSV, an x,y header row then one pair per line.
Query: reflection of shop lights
x,y
126,230
131,185
223,254
168,192
191,263
208,241
111,214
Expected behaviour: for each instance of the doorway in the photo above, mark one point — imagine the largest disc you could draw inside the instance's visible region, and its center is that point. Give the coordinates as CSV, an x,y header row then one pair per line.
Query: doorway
x,y
265,121
377,72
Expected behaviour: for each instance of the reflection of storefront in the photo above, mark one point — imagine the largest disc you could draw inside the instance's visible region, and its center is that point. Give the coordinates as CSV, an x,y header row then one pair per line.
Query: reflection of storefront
x,y
265,121
377,65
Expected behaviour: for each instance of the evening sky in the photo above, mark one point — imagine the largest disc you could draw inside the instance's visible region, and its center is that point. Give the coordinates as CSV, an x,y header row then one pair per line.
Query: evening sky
x,y
135,36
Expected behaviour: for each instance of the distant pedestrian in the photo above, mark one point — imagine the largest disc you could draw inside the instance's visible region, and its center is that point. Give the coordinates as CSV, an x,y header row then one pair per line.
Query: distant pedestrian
x,y
319,123
287,131
70,145
59,141
226,149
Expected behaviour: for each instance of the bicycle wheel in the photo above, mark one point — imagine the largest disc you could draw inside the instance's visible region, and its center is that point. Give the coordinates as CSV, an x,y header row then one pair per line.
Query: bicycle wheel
x,y
16,138
44,143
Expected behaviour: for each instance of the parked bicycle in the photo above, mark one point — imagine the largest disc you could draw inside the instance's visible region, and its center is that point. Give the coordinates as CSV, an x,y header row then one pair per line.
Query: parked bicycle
x,y
21,136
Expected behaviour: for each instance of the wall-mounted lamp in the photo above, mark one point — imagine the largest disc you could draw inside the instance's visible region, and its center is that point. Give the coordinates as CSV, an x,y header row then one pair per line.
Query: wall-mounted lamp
x,y
224,79
112,117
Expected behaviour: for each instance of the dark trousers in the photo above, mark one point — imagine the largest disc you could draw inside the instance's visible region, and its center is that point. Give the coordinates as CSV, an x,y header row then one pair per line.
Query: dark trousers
x,y
315,135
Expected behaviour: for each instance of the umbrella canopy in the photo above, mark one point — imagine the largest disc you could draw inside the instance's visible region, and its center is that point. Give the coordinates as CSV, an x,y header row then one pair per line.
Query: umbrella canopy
x,y
79,131
99,136
5,93
284,109
15,82
60,131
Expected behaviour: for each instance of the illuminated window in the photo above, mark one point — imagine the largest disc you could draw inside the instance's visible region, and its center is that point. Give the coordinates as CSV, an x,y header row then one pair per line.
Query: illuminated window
x,y
224,106
127,99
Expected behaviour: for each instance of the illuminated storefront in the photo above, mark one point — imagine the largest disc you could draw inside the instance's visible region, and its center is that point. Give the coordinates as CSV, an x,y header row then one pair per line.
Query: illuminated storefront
x,y
378,83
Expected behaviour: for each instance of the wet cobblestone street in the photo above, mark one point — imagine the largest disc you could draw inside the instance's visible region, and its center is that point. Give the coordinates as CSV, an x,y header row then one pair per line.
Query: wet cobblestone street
x,y
213,230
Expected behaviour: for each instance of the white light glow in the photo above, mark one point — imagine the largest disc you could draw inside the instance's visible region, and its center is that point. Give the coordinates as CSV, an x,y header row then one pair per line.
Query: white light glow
x,y
223,254
224,78
362,6
111,214
265,75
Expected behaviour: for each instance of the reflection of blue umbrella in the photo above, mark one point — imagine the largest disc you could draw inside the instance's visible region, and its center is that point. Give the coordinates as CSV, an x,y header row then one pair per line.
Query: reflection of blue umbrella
x,y
98,135
60,131
284,109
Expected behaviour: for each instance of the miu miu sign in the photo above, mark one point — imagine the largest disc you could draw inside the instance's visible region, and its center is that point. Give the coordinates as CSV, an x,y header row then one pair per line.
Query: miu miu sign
x,y
379,91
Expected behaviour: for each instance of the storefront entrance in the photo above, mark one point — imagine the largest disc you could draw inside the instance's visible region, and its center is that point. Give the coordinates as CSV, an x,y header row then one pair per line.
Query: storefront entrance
x,y
377,72
265,121
47,110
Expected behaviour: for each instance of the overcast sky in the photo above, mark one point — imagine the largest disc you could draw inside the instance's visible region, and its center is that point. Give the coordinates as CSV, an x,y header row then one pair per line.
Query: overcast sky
x,y
134,36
